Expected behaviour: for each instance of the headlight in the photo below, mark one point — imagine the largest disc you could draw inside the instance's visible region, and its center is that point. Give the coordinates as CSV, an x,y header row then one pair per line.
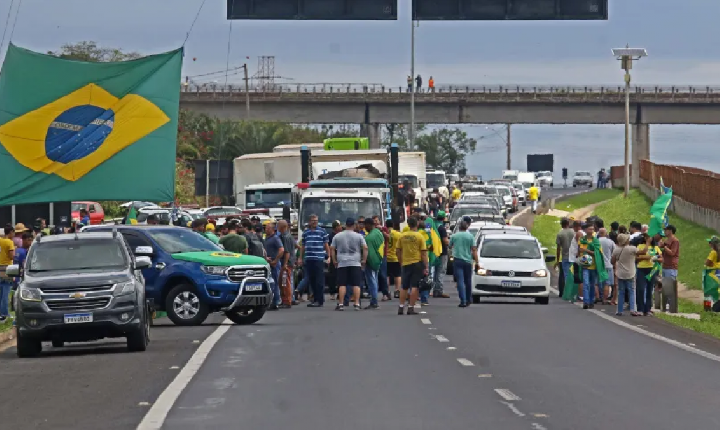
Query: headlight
x,y
268,270
30,294
124,288
483,272
214,270
540,273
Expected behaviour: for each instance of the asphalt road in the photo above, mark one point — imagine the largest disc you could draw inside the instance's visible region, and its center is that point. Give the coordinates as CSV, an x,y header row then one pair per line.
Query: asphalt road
x,y
497,365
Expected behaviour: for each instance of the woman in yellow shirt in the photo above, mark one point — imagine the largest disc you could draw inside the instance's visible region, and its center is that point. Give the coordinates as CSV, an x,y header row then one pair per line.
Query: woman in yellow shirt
x,y
648,267
7,252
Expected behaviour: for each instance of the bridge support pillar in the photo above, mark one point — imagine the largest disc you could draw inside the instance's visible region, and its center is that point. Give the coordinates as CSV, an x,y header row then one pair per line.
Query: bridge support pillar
x,y
372,132
640,150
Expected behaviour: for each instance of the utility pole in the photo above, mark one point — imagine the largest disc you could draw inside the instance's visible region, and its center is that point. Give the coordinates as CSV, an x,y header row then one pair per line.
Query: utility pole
x,y
509,148
247,93
411,132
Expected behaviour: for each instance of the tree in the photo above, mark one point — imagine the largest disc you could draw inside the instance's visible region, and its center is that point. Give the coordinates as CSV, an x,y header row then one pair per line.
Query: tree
x,y
91,52
444,148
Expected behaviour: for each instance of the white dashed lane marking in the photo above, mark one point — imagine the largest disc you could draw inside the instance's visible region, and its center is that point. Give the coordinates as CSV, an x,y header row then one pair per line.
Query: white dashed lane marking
x,y
465,362
425,321
513,408
507,394
442,338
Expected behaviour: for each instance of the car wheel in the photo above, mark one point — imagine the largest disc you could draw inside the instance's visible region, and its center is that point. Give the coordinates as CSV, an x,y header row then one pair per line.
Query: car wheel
x,y
28,347
524,204
476,300
184,306
138,340
590,186
246,316
542,300
58,343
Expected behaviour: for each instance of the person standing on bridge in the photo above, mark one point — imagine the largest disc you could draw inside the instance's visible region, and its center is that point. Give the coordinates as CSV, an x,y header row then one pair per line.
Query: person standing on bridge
x,y
418,83
431,85
410,83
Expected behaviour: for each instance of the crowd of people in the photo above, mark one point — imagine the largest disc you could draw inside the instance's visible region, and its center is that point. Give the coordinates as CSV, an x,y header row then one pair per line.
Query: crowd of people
x,y
623,267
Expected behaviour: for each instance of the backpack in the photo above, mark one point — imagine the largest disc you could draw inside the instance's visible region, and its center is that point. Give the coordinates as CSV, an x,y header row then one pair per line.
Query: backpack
x,y
255,245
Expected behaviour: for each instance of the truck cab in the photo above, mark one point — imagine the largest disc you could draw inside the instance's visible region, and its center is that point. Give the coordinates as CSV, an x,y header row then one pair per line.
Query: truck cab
x,y
338,204
274,197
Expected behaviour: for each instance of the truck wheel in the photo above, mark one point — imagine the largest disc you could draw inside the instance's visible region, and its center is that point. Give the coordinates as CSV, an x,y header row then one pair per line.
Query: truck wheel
x,y
184,306
246,316
58,343
138,340
28,347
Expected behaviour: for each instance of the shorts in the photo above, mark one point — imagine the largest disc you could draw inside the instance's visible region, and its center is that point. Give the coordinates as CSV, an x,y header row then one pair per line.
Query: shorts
x,y
393,270
412,274
351,276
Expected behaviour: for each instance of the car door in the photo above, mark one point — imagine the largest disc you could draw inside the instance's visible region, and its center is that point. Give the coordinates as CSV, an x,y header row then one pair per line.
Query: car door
x,y
151,274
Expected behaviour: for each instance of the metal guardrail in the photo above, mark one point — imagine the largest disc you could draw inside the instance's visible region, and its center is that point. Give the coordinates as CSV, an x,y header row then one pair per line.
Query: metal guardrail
x,y
508,93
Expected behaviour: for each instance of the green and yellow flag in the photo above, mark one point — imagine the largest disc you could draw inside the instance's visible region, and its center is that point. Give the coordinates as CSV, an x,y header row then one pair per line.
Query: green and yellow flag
x,y
658,212
711,283
72,130
131,218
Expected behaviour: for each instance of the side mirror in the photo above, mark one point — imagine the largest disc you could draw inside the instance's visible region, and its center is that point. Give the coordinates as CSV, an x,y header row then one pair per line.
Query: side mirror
x,y
144,250
549,258
544,250
13,271
143,262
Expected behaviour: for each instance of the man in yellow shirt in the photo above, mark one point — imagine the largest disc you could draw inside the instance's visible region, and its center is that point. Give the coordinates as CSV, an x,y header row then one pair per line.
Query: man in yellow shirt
x,y
413,257
7,252
532,196
393,265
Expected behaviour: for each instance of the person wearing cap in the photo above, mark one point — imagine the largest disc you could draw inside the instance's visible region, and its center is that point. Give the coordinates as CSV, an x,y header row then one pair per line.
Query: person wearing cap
x,y
19,230
441,264
210,233
349,254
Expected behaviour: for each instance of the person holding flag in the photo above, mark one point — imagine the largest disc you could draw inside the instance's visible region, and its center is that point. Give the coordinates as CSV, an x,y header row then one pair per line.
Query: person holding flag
x,y
649,266
592,261
710,278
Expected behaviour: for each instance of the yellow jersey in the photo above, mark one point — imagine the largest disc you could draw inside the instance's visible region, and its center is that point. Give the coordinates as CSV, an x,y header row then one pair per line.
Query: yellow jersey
x,y
7,248
532,193
393,242
411,244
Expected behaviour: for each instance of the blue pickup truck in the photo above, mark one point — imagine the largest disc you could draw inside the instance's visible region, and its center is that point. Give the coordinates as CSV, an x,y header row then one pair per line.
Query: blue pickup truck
x,y
191,277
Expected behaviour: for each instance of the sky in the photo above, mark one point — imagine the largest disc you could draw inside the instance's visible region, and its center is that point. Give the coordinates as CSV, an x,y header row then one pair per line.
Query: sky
x,y
681,42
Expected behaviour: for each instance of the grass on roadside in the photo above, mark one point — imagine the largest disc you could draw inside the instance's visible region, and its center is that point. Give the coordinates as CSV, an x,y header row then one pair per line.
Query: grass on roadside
x,y
693,247
5,326
586,199
545,229
709,322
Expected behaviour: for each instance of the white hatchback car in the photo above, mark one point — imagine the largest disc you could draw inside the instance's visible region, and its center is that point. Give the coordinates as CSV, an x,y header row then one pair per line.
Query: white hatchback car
x,y
511,265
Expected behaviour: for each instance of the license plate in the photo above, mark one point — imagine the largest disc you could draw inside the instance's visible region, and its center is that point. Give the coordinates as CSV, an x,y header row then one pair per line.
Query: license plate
x,y
253,287
510,284
78,318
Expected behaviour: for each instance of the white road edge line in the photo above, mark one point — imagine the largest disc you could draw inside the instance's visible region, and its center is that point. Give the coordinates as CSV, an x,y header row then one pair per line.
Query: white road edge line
x,y
507,394
537,426
442,338
465,362
425,321
513,408
155,417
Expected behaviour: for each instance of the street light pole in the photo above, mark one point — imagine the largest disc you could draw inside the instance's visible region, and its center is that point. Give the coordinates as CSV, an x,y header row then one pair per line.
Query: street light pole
x,y
411,132
509,146
626,56
247,93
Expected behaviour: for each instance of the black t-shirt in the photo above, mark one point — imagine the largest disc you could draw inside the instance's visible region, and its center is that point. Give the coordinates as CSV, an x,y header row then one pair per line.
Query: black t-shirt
x,y
613,236
442,232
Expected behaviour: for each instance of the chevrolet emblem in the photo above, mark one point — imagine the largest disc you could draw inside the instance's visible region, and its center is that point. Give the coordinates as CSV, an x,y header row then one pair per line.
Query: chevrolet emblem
x,y
77,295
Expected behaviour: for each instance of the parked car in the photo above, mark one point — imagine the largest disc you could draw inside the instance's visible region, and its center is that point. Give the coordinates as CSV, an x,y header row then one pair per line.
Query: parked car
x,y
583,178
191,277
94,209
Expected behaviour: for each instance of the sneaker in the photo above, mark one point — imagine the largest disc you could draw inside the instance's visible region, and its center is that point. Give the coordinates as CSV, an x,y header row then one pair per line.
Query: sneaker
x,y
401,310
411,311
339,307
462,305
397,294
294,303
284,306
585,306
357,307
424,304
372,306
441,296
314,305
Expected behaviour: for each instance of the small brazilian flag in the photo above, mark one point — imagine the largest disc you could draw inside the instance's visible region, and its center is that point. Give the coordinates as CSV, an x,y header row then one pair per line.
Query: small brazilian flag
x,y
131,218
72,130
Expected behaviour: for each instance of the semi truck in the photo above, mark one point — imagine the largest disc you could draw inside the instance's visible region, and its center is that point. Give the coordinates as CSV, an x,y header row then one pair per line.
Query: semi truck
x,y
266,181
411,168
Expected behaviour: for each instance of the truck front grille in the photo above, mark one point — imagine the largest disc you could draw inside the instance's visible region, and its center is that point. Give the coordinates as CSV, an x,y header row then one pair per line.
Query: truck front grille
x,y
87,289
78,304
237,274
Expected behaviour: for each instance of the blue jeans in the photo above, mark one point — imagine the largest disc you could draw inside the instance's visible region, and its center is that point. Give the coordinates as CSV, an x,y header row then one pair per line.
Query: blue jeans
x,y
669,273
425,295
371,279
382,278
315,272
644,290
303,284
275,271
590,278
5,287
463,273
629,286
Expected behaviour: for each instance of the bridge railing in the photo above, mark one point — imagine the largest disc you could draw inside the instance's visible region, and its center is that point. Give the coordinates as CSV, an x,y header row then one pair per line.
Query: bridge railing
x,y
575,93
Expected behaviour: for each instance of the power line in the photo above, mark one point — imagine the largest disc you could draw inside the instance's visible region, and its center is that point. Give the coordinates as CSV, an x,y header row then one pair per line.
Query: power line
x,y
17,14
197,15
7,21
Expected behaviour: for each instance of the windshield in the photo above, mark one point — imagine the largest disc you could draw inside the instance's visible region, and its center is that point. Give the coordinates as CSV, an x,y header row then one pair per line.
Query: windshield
x,y
161,216
458,213
75,207
77,255
510,248
329,209
412,179
545,173
177,240
504,191
267,198
435,180
582,174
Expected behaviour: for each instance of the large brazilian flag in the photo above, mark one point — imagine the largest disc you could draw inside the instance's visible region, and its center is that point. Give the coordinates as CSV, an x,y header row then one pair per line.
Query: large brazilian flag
x,y
72,130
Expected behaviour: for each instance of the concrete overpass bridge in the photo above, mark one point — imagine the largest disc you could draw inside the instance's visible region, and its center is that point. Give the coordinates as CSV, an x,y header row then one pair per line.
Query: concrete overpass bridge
x,y
371,105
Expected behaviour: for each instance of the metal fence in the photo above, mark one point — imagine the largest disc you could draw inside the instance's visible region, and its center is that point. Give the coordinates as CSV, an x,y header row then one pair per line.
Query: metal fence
x,y
593,93
697,186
